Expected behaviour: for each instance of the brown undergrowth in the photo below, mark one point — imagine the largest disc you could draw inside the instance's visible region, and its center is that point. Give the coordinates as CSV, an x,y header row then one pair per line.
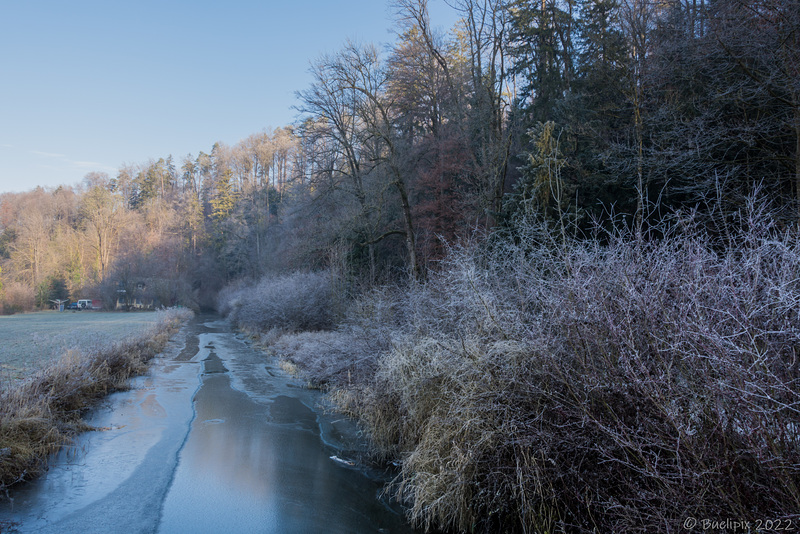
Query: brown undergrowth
x,y
41,414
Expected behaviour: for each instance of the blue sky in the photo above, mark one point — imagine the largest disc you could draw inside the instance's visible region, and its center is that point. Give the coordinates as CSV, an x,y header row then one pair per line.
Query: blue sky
x,y
89,86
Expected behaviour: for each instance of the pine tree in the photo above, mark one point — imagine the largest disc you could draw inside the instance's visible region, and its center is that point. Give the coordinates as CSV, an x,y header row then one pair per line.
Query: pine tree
x,y
225,199
541,43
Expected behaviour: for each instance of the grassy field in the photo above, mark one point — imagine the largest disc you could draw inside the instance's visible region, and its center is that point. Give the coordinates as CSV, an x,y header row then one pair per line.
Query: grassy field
x,y
31,340
78,359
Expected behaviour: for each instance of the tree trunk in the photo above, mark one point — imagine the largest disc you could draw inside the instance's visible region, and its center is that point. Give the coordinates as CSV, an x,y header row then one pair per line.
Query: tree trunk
x,y
411,244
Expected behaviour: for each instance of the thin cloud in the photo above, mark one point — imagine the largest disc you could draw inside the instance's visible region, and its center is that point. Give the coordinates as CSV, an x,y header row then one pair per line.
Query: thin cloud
x,y
48,154
64,163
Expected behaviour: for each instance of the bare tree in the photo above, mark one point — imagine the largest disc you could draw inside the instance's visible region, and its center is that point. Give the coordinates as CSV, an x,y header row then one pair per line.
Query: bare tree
x,y
103,216
351,119
637,19
486,24
34,226
362,72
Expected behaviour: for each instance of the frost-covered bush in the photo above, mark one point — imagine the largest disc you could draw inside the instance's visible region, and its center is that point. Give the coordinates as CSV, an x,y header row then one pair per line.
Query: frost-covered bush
x,y
297,301
533,384
587,386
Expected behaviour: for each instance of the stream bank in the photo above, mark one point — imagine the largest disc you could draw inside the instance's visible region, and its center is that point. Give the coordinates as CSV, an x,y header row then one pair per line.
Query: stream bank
x,y
216,438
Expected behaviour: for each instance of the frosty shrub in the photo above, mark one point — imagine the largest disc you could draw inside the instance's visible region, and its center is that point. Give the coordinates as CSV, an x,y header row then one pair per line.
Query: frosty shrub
x,y
615,386
326,356
618,384
343,357
297,301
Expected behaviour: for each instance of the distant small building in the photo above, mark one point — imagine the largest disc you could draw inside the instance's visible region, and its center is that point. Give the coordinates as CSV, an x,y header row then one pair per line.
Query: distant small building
x,y
134,297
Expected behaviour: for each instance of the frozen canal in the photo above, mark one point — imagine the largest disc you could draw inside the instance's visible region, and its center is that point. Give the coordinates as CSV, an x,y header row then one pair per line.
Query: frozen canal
x,y
215,439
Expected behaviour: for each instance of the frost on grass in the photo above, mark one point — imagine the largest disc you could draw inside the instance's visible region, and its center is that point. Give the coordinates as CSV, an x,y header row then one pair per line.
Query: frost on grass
x,y
43,412
31,341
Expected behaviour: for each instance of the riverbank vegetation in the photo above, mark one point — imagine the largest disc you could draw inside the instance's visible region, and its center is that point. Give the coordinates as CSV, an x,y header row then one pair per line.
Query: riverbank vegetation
x,y
548,257
611,384
42,413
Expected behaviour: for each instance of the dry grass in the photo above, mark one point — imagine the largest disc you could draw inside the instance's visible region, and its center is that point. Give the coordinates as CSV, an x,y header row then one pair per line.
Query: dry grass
x,y
42,413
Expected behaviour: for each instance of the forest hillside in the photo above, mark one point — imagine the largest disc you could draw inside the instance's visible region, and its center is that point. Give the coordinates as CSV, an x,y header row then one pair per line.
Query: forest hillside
x,y
581,113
